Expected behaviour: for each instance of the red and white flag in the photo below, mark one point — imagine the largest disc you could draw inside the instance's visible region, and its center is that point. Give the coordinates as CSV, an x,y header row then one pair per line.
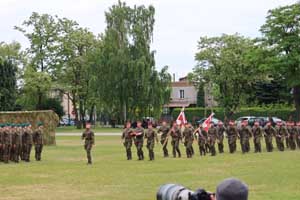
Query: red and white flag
x,y
181,120
206,123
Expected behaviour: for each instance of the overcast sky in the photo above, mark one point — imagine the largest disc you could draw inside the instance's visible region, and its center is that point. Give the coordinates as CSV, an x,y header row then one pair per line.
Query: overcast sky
x,y
179,23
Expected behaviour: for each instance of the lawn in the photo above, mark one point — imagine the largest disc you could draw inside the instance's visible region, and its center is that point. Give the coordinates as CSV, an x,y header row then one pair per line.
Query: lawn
x,y
64,175
72,129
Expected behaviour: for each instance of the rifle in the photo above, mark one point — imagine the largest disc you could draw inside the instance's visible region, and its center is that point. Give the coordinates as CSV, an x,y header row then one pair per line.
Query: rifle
x,y
168,134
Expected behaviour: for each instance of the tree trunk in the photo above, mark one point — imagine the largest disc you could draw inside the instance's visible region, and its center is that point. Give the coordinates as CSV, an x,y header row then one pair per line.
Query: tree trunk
x,y
92,120
296,92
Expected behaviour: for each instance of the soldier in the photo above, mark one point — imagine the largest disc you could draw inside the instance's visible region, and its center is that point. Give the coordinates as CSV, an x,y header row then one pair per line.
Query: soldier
x,y
192,128
139,140
298,135
89,141
38,141
232,134
212,136
176,138
1,142
280,135
270,132
151,137
164,130
188,140
6,143
202,138
16,143
292,135
127,137
245,135
257,135
220,136
27,142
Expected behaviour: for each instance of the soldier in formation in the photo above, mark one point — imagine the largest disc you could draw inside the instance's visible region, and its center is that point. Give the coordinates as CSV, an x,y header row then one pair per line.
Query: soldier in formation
x,y
220,136
281,134
89,141
201,136
139,140
127,138
269,133
211,138
188,137
164,130
245,134
175,134
257,132
232,135
151,137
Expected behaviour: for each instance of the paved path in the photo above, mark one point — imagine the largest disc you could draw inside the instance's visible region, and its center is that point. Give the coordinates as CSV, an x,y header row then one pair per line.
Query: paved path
x,y
79,134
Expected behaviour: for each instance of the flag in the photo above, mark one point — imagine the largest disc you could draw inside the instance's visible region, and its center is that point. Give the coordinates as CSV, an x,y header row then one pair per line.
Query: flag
x,y
181,120
206,123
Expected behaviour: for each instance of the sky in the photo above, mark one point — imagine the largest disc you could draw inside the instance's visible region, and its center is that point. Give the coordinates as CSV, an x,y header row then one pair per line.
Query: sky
x,y
178,23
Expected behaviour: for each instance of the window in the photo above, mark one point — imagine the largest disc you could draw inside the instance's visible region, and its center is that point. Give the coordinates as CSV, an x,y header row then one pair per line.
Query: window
x,y
181,94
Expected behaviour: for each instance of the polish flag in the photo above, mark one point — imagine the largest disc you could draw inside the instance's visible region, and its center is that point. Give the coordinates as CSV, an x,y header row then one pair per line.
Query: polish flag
x,y
181,120
206,123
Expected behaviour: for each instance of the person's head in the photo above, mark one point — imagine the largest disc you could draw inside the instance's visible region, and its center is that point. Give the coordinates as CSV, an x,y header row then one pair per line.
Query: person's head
x,y
211,125
244,123
186,125
174,124
128,125
298,124
269,124
232,189
139,124
279,123
231,123
220,124
164,123
88,126
256,123
150,126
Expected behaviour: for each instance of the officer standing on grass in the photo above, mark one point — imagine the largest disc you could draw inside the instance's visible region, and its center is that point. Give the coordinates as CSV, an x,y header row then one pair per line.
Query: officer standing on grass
x,y
6,143
38,141
89,141
176,138
201,136
212,136
298,135
27,142
280,135
164,130
232,135
151,137
139,140
1,142
220,136
127,137
292,132
257,135
270,132
188,137
245,134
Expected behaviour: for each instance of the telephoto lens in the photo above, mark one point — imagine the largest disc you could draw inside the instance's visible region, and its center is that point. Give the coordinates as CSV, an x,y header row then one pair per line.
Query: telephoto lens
x,y
178,192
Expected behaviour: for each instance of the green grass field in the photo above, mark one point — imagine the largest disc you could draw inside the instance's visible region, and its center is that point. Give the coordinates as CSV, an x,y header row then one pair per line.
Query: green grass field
x,y
64,175
72,129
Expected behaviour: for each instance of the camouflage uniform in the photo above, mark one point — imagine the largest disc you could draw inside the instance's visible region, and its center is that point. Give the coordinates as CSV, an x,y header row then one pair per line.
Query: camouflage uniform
x,y
176,138
151,136
188,141
298,136
1,144
245,134
202,138
16,145
212,136
292,134
220,134
257,135
139,142
89,140
6,145
232,134
38,144
270,132
127,137
280,135
164,130
27,142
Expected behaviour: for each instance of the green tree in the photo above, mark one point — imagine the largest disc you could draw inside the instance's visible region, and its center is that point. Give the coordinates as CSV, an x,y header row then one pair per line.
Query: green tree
x,y
281,33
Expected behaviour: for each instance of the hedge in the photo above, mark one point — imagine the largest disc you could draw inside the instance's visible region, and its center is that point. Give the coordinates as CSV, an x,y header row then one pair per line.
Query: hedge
x,y
193,114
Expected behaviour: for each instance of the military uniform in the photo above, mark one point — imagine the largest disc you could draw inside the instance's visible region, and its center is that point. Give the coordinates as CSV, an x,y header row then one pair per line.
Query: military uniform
x,y
1,143
27,142
220,138
176,138
270,132
151,137
292,134
89,140
164,130
212,136
298,135
128,137
38,143
280,135
139,142
257,135
245,134
188,141
232,134
202,138
6,145
16,145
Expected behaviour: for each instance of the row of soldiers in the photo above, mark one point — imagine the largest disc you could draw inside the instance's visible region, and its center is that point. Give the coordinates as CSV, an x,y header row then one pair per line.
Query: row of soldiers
x,y
289,133
16,141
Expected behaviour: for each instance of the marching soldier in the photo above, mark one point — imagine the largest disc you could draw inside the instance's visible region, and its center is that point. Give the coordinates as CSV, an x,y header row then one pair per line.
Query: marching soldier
x,y
298,135
127,137
16,144
245,134
292,134
1,142
176,138
280,135
201,134
164,130
89,141
6,143
151,137
139,140
220,133
27,142
257,135
188,140
270,132
192,128
232,135
38,141
212,136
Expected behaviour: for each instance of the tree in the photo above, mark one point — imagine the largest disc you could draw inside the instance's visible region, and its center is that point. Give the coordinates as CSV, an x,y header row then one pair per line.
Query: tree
x,y
226,62
281,32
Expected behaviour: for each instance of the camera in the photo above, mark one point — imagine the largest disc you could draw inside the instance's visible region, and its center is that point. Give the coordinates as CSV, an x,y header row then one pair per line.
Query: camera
x,y
179,192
